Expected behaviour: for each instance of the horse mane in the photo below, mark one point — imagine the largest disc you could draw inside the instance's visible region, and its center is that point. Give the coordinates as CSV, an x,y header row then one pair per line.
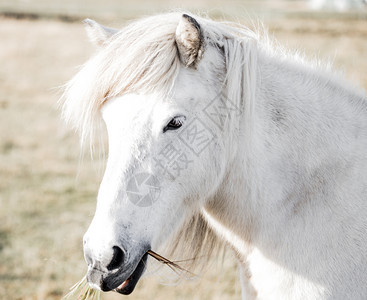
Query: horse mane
x,y
143,58
140,58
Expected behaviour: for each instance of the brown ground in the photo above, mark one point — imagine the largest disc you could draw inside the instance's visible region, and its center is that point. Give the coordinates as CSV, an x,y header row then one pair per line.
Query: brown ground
x,y
45,206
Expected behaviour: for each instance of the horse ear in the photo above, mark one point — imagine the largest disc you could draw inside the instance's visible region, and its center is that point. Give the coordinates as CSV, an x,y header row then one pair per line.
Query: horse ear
x,y
97,33
189,40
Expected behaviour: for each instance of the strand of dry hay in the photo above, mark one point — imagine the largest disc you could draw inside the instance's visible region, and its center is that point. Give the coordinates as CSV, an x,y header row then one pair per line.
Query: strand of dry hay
x,y
82,291
171,264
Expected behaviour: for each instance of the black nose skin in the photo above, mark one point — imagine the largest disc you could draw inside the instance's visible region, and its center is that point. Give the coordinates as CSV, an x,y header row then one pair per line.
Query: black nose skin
x,y
117,258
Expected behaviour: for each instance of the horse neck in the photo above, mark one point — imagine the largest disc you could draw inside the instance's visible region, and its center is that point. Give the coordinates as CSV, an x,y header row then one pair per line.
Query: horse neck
x,y
304,127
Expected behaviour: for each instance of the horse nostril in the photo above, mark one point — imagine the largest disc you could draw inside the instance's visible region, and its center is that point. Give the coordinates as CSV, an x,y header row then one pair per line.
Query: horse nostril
x,y
117,259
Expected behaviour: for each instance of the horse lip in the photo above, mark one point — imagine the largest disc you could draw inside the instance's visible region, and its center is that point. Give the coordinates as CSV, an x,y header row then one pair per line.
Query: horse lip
x,y
133,279
113,279
133,271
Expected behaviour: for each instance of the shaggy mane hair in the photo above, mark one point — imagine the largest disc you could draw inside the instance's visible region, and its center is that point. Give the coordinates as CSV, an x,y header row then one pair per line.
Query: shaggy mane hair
x,y
143,58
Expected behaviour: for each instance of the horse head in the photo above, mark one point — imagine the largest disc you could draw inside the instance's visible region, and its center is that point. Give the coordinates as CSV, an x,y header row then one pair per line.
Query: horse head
x,y
167,154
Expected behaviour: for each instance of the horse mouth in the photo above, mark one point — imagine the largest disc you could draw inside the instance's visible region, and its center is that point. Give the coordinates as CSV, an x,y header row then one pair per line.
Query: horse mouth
x,y
122,285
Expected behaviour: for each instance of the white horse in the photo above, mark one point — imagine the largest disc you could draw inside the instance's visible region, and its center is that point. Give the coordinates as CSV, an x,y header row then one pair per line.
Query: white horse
x,y
217,135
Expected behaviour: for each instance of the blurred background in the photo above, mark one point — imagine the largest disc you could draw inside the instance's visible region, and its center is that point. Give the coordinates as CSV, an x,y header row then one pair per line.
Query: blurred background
x,y
47,197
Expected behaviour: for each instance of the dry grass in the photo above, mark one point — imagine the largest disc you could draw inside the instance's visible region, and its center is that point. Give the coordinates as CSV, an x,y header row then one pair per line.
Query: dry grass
x,y
44,208
82,291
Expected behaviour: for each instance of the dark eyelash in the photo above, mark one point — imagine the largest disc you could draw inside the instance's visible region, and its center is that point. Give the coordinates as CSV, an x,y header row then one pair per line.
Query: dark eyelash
x,y
174,124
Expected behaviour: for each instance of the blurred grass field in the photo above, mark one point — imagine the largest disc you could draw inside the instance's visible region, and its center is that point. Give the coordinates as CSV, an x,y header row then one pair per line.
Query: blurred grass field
x,y
46,200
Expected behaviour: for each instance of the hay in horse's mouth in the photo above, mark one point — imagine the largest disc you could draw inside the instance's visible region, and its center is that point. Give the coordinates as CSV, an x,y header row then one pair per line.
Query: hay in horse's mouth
x,y
167,262
129,284
83,291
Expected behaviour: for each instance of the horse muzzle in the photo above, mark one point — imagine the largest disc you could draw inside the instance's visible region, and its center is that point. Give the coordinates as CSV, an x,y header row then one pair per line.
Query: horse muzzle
x,y
115,269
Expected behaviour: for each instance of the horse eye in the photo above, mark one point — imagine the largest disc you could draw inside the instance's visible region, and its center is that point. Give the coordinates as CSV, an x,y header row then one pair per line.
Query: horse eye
x,y
175,123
